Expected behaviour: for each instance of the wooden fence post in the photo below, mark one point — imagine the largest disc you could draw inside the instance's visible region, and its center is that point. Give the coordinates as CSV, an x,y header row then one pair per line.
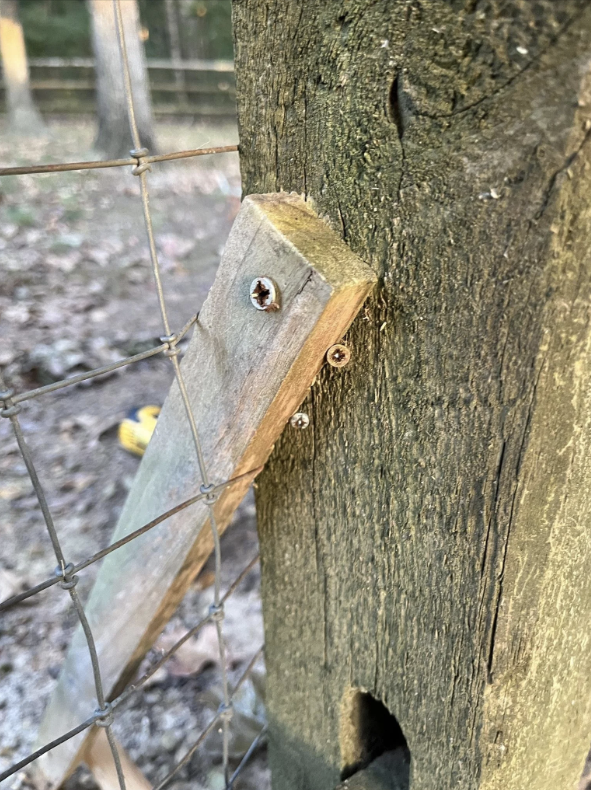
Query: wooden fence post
x,y
426,544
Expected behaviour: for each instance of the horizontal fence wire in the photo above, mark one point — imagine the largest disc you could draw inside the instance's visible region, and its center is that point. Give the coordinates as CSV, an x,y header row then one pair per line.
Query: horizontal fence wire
x,y
15,599
65,573
63,167
166,345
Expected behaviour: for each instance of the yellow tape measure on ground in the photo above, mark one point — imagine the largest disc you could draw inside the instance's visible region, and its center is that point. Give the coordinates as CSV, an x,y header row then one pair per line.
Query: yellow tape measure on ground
x,y
136,430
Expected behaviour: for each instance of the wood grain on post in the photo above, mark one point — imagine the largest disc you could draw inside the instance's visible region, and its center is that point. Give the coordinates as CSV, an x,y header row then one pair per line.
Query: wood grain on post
x,y
246,371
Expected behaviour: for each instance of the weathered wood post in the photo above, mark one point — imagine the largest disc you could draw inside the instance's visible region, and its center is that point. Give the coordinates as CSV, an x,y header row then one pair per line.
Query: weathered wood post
x,y
426,542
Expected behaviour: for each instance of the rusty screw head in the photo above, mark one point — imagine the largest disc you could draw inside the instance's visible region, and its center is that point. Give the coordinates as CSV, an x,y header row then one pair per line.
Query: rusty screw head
x,y
299,420
264,294
338,355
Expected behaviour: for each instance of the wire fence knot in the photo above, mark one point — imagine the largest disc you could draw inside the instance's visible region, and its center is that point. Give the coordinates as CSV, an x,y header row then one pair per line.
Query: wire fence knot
x,y
225,712
68,581
10,409
211,496
140,154
216,612
171,341
104,716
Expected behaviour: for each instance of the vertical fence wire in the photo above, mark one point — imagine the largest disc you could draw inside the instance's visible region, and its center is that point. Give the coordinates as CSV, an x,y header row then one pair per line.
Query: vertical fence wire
x,y
141,170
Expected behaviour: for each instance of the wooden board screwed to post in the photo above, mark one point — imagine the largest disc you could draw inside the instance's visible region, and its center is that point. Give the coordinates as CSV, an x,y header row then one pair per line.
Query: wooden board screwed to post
x,y
247,370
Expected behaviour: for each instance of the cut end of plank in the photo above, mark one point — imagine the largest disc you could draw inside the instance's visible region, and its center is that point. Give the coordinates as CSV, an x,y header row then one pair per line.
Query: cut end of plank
x,y
325,251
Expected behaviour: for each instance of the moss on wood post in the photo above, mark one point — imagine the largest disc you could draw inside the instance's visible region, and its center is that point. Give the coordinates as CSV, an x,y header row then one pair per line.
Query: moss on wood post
x,y
427,538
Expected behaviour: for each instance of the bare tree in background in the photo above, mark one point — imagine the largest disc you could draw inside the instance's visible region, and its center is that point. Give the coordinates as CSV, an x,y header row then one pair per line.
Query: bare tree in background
x,y
175,47
23,115
113,137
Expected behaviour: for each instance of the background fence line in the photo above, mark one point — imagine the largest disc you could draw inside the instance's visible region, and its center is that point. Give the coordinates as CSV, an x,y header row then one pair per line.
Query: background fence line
x,y
195,64
70,87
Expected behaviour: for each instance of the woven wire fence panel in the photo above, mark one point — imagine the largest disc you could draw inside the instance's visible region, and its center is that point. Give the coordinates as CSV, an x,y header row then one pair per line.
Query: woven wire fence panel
x,y
66,574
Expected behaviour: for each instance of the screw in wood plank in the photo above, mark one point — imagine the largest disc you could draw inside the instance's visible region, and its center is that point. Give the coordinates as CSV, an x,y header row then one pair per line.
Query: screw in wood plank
x,y
338,355
264,294
299,420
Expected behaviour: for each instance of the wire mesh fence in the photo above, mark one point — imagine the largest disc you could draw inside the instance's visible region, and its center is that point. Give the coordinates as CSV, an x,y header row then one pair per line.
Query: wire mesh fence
x,y
65,574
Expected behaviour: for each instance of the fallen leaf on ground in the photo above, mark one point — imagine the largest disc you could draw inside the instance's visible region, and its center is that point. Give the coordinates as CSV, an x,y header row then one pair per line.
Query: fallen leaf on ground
x,y
204,580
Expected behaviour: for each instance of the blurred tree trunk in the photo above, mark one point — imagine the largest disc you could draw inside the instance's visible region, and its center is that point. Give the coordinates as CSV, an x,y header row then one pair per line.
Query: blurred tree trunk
x,y
23,115
172,23
427,540
113,137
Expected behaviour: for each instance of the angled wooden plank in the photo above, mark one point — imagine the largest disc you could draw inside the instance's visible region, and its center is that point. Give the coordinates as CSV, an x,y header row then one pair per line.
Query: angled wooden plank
x,y
99,759
246,372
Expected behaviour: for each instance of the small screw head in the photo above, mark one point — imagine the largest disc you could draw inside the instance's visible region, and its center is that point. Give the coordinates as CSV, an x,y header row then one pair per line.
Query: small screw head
x,y
338,355
299,420
264,294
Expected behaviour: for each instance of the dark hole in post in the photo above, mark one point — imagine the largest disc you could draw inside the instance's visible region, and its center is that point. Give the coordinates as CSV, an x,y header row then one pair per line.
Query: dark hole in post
x,y
382,747
394,108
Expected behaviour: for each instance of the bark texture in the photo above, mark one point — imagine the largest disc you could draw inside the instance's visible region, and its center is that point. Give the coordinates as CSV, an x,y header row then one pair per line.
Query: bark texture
x,y
113,136
427,539
23,115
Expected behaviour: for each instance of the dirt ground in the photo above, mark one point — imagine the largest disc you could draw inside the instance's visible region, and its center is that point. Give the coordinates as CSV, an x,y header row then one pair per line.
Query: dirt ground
x,y
76,292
